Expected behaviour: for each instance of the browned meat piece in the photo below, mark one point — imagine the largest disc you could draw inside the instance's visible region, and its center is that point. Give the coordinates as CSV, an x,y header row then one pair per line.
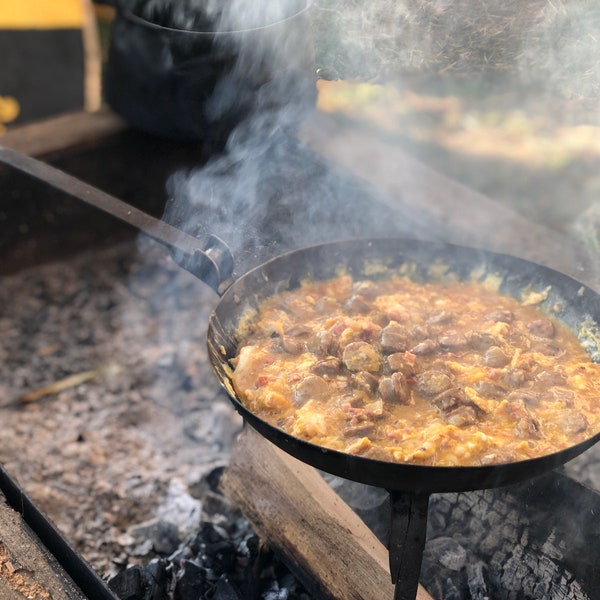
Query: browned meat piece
x,y
394,389
367,289
547,348
504,316
525,397
527,428
299,331
541,327
450,399
500,455
403,362
441,318
312,387
452,340
550,378
357,305
363,429
427,346
292,345
514,378
489,389
327,305
321,343
573,422
518,339
328,367
374,410
495,357
365,381
394,338
361,356
433,382
481,340
462,416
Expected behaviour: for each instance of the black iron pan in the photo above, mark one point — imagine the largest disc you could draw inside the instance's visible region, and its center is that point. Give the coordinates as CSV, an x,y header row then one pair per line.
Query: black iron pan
x,y
579,308
409,485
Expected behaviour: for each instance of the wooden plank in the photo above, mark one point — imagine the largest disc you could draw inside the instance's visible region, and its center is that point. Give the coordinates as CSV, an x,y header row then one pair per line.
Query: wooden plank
x,y
326,544
27,569
456,213
63,132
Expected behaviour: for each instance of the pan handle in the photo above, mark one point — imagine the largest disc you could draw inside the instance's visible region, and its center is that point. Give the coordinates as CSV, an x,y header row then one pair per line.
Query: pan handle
x,y
209,260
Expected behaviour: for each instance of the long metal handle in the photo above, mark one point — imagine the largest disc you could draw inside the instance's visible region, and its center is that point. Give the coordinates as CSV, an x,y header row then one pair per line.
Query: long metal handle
x,y
211,260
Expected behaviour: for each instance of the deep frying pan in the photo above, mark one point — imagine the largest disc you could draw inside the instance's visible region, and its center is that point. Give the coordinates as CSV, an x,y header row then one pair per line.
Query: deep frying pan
x,y
409,485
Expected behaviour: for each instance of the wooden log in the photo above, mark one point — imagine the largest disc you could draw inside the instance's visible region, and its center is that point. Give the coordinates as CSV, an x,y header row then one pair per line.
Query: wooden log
x,y
64,132
325,544
27,569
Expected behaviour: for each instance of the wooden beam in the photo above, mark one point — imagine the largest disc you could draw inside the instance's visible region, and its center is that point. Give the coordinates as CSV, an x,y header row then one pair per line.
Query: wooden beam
x,y
324,542
62,133
27,569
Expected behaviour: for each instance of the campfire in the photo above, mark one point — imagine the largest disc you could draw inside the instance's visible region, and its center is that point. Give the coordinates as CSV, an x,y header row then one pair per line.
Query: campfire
x,y
145,476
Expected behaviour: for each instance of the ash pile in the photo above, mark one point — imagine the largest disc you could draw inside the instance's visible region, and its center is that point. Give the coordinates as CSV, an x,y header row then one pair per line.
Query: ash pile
x,y
222,559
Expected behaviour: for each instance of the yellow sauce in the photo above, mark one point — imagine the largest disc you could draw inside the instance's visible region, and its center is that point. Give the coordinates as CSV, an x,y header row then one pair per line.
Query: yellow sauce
x,y
432,374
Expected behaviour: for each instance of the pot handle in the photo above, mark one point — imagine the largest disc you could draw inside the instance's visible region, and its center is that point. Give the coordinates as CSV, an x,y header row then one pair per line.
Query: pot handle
x,y
210,260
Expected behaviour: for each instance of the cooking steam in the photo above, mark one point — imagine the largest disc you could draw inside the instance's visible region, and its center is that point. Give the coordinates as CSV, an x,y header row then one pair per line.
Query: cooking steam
x,y
267,192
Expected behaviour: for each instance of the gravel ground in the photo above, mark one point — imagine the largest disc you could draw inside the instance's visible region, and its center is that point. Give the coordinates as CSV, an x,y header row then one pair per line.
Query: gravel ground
x,y
147,422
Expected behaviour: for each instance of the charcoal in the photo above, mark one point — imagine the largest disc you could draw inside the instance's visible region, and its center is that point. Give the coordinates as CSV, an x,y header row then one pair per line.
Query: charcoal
x,y
191,581
477,581
164,536
140,583
225,590
447,552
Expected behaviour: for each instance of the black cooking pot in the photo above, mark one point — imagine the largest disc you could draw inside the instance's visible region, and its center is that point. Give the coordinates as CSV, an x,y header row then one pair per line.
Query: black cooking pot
x,y
577,305
201,84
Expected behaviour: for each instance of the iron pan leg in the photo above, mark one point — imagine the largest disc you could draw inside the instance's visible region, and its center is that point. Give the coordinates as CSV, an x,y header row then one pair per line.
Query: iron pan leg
x,y
408,529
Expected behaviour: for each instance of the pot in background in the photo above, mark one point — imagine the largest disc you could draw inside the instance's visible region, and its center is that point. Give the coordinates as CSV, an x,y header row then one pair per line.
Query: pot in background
x,y
200,85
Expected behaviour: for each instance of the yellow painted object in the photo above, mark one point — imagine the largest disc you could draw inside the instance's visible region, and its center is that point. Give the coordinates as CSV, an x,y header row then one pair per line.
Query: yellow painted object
x,y
41,14
52,59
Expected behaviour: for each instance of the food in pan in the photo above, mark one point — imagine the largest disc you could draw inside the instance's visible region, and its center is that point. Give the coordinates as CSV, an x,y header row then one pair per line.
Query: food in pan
x,y
451,373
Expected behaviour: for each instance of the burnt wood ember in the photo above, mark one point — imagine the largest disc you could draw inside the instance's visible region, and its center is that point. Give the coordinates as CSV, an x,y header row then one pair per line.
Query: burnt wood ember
x,y
534,540
223,560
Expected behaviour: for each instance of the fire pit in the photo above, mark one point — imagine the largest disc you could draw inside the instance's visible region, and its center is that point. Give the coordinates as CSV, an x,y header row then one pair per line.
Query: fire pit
x,y
158,234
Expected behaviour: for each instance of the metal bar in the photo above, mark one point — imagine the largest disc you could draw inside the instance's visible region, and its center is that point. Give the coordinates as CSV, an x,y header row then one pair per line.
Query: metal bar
x,y
211,262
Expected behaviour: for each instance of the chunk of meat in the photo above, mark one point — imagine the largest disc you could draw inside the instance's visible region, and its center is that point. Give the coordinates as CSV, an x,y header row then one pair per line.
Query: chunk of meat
x,y
433,382
327,367
394,389
501,315
495,357
489,389
542,328
312,387
462,416
452,340
403,362
481,340
365,381
361,356
572,422
450,399
394,338
425,347
441,318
